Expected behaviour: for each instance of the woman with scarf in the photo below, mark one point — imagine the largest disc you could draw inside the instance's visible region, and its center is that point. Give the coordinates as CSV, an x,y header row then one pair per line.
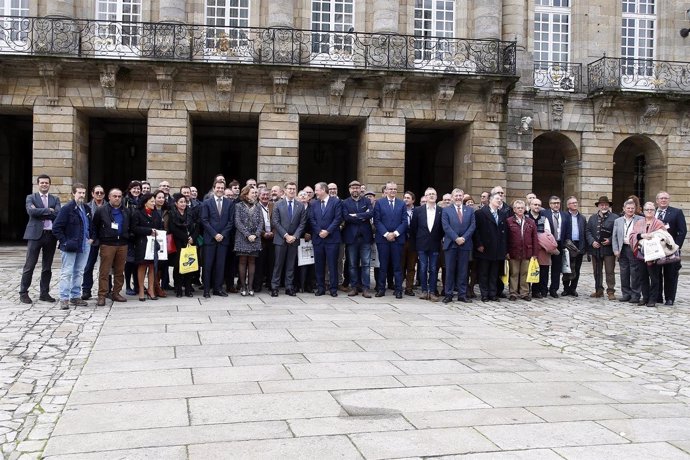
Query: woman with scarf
x,y
650,272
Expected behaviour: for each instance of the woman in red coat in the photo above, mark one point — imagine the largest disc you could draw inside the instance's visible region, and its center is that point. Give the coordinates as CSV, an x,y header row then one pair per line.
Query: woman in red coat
x,y
522,246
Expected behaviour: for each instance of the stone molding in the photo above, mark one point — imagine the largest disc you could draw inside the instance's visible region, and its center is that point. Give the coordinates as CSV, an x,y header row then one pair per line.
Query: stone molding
x,y
108,80
601,105
444,93
650,109
280,84
225,87
389,95
50,78
337,89
166,79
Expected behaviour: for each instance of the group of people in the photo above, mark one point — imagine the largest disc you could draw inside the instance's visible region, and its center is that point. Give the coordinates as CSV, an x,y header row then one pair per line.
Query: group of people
x,y
248,239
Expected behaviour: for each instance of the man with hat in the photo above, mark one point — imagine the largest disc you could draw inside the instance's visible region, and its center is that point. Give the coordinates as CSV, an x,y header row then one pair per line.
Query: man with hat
x,y
599,234
357,235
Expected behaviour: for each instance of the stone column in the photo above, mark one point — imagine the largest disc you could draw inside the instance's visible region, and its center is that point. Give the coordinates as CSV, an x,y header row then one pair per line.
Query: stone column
x,y
487,166
172,11
278,155
382,152
60,146
386,16
597,168
486,18
281,13
519,157
61,8
169,147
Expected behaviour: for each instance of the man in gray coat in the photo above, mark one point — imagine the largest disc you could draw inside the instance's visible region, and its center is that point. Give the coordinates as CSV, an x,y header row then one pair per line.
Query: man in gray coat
x,y
622,228
287,222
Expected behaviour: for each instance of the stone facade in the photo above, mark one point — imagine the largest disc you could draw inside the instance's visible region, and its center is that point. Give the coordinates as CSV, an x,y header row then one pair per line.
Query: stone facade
x,y
495,121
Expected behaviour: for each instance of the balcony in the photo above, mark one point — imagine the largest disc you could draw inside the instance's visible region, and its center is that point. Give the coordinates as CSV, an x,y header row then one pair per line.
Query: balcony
x,y
91,39
625,74
558,76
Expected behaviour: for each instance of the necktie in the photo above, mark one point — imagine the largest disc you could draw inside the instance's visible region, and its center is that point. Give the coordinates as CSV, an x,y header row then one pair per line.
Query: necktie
x,y
557,231
219,205
495,214
47,222
289,210
660,215
392,203
323,205
459,209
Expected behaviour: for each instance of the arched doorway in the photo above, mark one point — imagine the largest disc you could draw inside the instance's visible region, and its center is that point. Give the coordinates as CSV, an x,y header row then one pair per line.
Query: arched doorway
x,y
553,154
637,170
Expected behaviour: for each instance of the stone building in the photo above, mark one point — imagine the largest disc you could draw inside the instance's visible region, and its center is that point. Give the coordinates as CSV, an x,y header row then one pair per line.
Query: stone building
x,y
555,96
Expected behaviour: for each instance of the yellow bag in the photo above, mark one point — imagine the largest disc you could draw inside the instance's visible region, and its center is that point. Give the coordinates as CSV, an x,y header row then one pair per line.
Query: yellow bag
x,y
533,271
506,272
189,261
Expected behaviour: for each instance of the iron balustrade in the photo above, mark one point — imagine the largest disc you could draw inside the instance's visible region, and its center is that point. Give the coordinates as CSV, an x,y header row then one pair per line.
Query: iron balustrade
x,y
615,74
65,37
558,76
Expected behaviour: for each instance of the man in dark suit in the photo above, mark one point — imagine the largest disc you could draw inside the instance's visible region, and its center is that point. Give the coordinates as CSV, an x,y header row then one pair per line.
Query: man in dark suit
x,y
491,245
325,216
556,220
42,208
574,230
677,228
217,219
287,221
458,226
426,230
390,222
357,236
265,259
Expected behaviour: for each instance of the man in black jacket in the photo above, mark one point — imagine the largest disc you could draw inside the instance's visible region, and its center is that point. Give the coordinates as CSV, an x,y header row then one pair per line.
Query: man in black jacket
x,y
111,224
677,228
599,233
574,230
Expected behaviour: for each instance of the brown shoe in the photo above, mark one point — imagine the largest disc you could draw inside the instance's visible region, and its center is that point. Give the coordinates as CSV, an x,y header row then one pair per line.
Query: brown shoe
x,y
160,292
611,296
344,289
352,292
118,298
423,296
100,302
597,294
366,294
434,298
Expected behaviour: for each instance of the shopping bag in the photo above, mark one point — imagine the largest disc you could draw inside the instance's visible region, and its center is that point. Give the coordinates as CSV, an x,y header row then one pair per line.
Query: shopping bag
x,y
375,263
533,271
653,250
675,257
189,260
305,253
162,246
506,272
172,249
565,268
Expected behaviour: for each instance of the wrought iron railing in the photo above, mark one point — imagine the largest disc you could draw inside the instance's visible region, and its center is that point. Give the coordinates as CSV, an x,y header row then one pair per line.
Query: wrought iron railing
x,y
282,46
615,74
558,76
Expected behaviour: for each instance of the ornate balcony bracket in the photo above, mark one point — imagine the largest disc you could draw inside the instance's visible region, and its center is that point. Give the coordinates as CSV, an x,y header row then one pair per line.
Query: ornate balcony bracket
x,y
337,90
495,98
684,121
166,79
389,95
224,87
109,84
601,105
650,109
556,112
50,77
280,84
444,93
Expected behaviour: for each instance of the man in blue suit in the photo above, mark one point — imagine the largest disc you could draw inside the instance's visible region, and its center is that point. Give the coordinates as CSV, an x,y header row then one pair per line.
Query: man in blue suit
x,y
325,216
491,244
390,222
217,219
458,228
42,208
357,236
426,230
677,228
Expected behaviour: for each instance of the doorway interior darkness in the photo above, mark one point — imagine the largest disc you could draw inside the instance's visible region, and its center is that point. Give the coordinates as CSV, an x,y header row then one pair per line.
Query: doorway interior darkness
x,y
117,151
328,153
15,174
223,147
429,160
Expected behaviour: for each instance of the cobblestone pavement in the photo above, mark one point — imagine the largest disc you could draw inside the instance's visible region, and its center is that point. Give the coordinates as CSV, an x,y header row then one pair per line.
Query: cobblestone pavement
x,y
158,367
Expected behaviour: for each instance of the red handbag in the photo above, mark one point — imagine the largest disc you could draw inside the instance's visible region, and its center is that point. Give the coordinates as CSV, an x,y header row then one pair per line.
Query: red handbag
x,y
171,244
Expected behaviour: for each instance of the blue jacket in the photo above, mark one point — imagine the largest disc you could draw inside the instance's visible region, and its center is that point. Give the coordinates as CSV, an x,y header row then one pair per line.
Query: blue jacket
x,y
214,224
68,227
329,219
358,224
453,229
388,220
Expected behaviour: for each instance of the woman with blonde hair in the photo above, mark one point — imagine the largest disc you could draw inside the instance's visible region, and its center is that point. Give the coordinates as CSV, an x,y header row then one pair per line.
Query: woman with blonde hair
x,y
248,224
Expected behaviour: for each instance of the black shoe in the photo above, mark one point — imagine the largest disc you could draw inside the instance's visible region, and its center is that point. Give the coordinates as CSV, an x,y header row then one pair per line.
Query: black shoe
x,y
573,293
494,299
189,293
84,296
565,293
220,293
334,294
635,301
48,298
485,299
537,295
379,294
447,299
625,298
274,293
290,292
178,294
669,303
24,298
398,295
319,293
207,295
553,294
409,292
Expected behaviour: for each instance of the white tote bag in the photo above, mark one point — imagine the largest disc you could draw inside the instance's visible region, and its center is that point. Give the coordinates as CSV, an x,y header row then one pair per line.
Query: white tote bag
x,y
162,250
305,253
652,249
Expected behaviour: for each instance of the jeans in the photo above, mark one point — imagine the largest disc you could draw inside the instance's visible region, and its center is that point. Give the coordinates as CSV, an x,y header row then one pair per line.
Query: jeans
x,y
359,255
428,270
72,272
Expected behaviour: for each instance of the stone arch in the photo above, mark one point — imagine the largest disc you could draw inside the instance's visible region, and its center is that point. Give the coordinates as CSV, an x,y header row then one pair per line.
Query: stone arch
x,y
555,166
638,169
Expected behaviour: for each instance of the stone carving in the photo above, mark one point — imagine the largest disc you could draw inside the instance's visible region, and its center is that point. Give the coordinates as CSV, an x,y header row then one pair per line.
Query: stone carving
x,y
444,93
50,77
601,105
337,90
684,125
224,87
389,95
525,125
494,105
109,85
280,83
557,109
650,109
166,78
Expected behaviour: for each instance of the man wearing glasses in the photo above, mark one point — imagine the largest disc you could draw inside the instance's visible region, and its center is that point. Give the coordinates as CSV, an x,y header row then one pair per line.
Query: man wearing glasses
x,y
674,219
97,200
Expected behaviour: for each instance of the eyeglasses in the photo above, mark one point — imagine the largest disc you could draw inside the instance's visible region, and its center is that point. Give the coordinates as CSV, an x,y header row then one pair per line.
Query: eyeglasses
x,y
98,193
116,196
649,210
332,189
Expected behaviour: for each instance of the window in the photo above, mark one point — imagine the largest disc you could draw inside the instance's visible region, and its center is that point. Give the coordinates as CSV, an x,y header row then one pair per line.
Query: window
x,y
336,17
637,38
114,34
433,19
551,31
228,23
13,32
